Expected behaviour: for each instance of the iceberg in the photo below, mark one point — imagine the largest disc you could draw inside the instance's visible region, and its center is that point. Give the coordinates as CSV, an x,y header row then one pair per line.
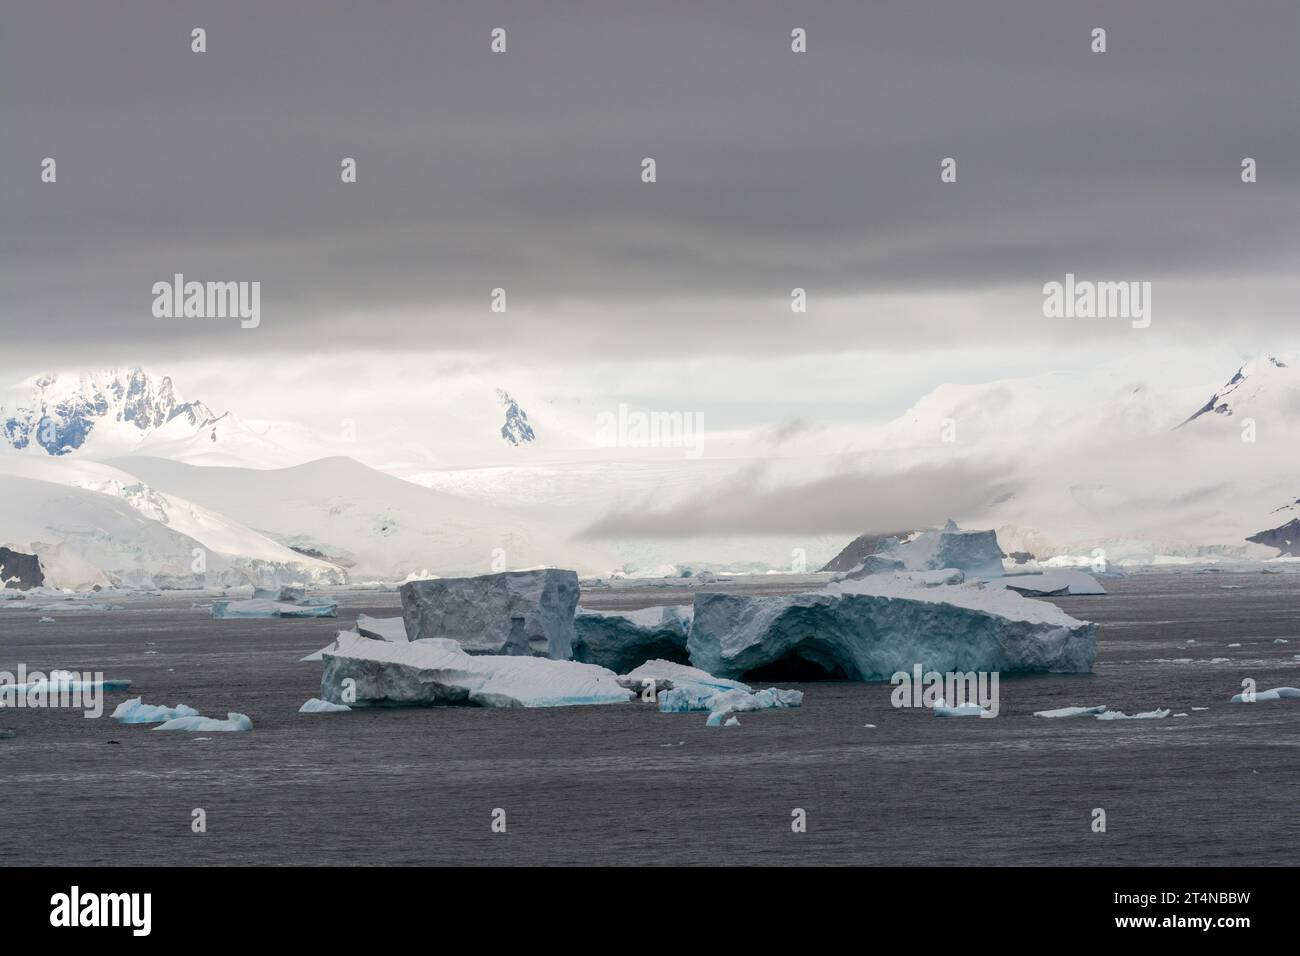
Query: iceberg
x,y
1072,712
382,628
1145,715
136,711
1277,693
317,706
874,564
267,608
620,640
233,722
66,682
511,613
974,552
1053,582
438,672
723,706
873,627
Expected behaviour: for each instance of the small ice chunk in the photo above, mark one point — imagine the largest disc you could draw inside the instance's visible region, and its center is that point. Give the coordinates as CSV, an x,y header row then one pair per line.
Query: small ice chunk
x,y
968,709
317,706
50,620
136,711
1200,708
1234,645
205,725
1072,711
732,722
1145,715
1281,640
1277,693
730,702
264,608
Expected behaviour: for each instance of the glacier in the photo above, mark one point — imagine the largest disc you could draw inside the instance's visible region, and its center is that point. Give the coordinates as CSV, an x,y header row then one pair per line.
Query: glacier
x,y
367,673
621,640
873,627
233,722
136,711
511,612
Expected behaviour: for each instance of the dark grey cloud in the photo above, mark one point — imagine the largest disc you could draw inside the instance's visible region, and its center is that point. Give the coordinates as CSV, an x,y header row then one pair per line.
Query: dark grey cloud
x,y
848,503
521,170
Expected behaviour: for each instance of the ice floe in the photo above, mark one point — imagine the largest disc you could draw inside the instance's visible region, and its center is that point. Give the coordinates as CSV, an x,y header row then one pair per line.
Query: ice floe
x,y
317,706
968,709
1145,715
367,673
136,711
233,722
1276,693
268,608
1072,712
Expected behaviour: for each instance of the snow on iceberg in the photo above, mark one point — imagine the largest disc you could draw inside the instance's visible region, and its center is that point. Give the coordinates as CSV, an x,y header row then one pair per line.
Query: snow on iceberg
x,y
1054,582
267,608
433,672
1072,711
1277,693
382,628
871,628
621,640
510,613
233,722
317,706
136,711
974,552
1156,714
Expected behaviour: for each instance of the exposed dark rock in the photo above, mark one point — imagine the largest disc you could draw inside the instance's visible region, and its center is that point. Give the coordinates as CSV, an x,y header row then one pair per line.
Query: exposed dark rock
x,y
21,571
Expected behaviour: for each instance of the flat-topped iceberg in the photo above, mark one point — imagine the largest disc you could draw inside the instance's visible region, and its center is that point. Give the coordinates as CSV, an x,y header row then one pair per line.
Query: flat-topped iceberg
x,y
1064,712
621,640
1052,582
1277,693
366,673
511,613
60,682
233,722
260,608
975,552
873,627
136,711
382,628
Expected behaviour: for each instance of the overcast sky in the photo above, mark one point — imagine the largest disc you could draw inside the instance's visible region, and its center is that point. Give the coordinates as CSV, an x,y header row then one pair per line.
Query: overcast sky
x,y
522,170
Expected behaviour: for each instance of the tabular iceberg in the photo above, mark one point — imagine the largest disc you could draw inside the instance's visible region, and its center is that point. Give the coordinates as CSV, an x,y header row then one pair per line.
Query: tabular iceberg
x,y
266,608
975,552
1064,712
620,640
436,672
1052,582
871,628
512,613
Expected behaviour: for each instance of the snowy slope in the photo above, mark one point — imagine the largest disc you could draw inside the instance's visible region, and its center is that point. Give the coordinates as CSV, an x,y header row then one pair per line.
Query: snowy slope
x,y
93,525
378,526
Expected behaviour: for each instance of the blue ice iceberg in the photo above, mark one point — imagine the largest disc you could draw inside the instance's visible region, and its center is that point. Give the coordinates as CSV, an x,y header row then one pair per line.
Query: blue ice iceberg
x,y
1072,712
1156,714
136,711
266,608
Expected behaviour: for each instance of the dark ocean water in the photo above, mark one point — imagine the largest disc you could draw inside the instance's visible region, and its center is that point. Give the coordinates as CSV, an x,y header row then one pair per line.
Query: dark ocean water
x,y
628,785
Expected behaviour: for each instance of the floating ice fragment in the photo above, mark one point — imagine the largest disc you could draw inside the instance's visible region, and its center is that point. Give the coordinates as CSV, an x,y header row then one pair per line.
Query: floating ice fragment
x,y
968,709
1072,711
1277,693
232,722
317,706
1145,715
136,711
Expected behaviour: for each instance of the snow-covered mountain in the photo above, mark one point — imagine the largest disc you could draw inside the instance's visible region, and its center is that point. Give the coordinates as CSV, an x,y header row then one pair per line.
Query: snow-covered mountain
x,y
59,414
516,430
